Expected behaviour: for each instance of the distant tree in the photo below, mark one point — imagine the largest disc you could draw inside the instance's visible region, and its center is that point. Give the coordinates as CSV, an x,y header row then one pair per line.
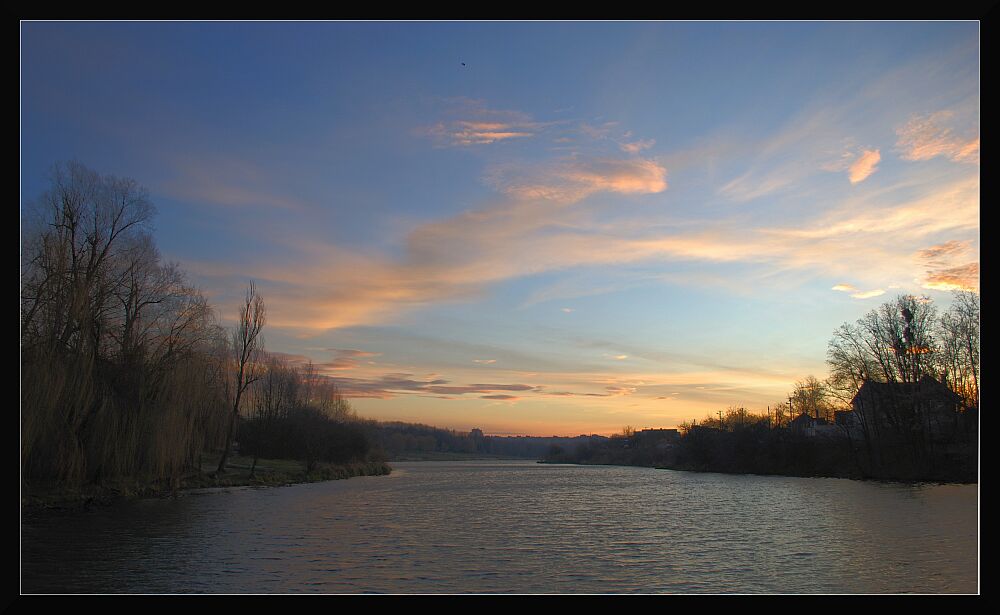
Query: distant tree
x,y
272,398
810,397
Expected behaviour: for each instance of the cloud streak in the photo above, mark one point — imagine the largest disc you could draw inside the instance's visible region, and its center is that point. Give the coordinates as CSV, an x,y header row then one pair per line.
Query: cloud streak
x,y
476,124
571,180
948,266
928,136
457,258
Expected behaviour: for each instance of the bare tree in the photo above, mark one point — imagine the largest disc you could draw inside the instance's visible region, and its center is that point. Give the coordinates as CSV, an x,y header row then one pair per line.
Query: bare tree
x,y
959,353
893,344
810,398
246,348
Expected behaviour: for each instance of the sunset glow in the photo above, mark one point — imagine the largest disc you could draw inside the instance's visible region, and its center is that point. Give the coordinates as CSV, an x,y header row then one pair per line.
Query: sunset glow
x,y
535,228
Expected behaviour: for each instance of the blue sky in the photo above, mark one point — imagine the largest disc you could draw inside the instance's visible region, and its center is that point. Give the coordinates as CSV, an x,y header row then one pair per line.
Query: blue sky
x,y
586,225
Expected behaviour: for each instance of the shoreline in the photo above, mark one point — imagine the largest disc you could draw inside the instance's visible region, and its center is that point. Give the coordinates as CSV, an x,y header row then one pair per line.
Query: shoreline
x,y
857,477
51,496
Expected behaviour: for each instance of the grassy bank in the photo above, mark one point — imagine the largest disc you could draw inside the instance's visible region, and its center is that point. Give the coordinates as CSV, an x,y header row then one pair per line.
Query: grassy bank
x,y
267,473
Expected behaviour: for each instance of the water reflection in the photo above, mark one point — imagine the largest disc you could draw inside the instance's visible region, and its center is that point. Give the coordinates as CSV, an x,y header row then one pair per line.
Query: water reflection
x,y
519,527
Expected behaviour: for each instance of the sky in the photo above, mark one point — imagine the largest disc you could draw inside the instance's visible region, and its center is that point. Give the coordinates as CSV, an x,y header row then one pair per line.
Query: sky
x,y
537,228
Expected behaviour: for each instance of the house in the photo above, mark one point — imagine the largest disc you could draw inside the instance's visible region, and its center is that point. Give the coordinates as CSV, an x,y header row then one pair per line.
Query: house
x,y
811,426
899,407
847,419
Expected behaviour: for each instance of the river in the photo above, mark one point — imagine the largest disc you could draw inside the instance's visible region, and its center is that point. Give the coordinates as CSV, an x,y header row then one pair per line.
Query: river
x,y
518,527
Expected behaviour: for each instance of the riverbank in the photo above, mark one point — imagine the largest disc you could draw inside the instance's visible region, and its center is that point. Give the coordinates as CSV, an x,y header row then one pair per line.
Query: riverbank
x,y
450,456
939,478
267,473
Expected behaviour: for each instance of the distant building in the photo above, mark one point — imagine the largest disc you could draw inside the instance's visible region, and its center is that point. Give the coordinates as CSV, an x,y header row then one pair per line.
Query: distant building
x,y
659,438
847,419
812,427
900,407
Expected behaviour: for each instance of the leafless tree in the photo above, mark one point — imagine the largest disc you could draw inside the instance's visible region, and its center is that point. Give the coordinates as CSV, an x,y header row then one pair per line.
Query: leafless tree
x,y
810,397
246,348
959,352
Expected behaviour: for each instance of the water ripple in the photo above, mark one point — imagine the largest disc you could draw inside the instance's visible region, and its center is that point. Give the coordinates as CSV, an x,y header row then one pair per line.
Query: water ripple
x,y
520,527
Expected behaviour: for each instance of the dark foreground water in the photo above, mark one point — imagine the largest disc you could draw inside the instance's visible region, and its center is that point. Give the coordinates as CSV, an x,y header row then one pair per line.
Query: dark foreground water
x,y
485,527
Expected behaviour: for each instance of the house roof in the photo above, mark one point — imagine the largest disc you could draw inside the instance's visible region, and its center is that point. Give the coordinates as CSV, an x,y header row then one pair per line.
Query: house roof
x,y
885,391
805,418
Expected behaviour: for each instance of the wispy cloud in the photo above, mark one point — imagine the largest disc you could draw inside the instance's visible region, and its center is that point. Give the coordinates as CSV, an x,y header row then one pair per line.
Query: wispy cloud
x,y
868,294
571,180
948,266
927,136
462,132
635,147
347,358
323,287
858,294
945,250
225,182
394,384
473,123
963,277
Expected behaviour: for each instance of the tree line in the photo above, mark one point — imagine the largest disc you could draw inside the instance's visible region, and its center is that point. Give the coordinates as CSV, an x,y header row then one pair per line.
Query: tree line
x,y
899,346
126,370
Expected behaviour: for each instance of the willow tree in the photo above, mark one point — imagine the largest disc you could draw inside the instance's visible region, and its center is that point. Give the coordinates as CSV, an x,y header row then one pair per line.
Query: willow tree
x,y
110,338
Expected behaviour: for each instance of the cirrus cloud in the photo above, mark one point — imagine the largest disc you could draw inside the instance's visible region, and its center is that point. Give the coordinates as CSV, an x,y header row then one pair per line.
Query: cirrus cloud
x,y
927,136
571,180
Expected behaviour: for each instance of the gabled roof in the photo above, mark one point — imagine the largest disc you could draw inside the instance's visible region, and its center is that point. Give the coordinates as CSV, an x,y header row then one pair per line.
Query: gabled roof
x,y
886,391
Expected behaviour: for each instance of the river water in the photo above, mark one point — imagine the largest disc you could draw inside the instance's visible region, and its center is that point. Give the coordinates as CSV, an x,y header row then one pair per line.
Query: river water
x,y
518,527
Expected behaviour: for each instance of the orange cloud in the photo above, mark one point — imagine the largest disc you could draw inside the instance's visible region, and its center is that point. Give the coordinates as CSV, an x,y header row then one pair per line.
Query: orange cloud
x,y
964,277
864,166
948,267
572,180
479,125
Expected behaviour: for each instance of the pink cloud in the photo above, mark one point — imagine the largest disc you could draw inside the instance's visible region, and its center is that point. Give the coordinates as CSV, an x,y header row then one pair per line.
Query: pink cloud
x,y
928,136
572,180
864,166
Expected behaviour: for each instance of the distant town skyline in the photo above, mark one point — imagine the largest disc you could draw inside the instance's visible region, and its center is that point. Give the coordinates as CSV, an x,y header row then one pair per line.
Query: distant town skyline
x,y
539,228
